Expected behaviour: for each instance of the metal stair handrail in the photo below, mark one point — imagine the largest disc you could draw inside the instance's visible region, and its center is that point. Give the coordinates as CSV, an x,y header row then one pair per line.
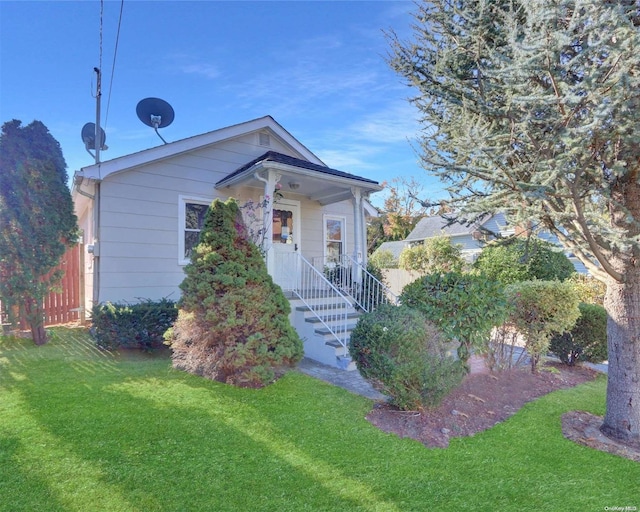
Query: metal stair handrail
x,y
354,280
375,292
316,292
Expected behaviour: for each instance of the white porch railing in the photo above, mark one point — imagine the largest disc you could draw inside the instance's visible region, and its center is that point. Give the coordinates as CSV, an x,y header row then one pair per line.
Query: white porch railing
x,y
350,277
324,300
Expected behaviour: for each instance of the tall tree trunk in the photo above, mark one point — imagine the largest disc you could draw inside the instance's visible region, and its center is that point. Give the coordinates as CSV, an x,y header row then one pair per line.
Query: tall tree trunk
x,y
622,301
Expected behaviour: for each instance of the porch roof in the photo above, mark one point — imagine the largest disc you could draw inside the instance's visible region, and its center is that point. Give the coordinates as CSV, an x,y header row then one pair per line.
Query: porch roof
x,y
318,182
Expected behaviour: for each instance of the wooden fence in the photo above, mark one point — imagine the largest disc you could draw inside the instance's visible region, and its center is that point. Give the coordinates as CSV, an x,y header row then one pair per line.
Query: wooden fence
x,y
396,279
65,305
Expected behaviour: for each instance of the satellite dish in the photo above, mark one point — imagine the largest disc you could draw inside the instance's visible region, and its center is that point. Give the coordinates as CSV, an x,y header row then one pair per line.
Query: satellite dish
x,y
156,113
88,135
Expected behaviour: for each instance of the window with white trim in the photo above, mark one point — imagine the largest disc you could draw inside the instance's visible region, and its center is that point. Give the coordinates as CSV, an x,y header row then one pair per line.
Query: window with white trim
x,y
191,217
335,238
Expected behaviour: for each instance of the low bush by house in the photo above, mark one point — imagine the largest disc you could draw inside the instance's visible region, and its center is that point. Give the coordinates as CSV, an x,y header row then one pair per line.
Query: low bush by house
x,y
403,354
142,325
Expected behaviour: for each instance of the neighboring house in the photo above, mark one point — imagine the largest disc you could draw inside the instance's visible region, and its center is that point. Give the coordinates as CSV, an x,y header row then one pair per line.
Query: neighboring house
x,y
394,248
141,213
471,238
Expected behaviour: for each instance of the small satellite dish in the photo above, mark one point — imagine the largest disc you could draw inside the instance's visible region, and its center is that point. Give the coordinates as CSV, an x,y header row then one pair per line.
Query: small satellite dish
x,y
156,113
88,135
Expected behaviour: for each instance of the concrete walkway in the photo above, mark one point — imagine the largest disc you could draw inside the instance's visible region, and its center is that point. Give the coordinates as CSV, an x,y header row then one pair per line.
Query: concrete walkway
x,y
349,380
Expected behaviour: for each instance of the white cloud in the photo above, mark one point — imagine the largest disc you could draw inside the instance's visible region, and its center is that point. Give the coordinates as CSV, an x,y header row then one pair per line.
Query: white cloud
x,y
192,65
396,122
206,70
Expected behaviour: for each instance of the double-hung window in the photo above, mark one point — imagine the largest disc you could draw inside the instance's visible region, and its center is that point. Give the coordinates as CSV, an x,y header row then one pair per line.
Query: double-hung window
x,y
335,237
191,220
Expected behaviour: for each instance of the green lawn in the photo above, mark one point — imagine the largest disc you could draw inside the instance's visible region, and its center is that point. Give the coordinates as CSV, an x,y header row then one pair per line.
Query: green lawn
x,y
83,430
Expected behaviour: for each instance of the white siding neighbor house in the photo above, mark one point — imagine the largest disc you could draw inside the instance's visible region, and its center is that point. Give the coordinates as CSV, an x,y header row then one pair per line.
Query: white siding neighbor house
x,y
141,213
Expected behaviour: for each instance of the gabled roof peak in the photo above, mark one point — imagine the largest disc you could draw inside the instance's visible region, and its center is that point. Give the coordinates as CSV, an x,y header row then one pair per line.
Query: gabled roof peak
x,y
123,163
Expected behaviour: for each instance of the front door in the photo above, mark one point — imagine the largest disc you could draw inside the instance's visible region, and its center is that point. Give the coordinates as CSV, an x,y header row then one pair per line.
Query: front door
x,y
286,242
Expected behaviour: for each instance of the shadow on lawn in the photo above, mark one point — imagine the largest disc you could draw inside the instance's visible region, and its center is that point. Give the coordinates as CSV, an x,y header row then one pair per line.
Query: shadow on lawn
x,y
26,490
168,440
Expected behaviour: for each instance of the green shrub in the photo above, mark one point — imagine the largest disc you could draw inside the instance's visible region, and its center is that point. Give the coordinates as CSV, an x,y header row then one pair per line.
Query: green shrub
x,y
589,289
435,255
465,307
383,259
523,259
139,325
587,341
404,355
233,325
541,309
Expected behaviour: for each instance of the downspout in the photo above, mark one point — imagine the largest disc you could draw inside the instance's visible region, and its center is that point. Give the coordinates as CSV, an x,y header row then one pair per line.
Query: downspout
x,y
96,246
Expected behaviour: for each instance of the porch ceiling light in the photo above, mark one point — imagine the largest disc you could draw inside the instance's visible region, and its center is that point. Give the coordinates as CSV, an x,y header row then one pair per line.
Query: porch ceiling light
x,y
293,185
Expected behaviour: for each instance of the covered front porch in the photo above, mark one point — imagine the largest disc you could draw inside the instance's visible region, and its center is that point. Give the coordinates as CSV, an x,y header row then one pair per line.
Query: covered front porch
x,y
309,221
300,206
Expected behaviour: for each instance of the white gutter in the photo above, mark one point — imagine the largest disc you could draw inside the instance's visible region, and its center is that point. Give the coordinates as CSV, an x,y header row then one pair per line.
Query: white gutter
x,y
300,171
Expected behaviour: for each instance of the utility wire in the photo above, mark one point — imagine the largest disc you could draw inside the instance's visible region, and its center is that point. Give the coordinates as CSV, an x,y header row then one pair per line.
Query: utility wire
x,y
113,66
99,68
99,91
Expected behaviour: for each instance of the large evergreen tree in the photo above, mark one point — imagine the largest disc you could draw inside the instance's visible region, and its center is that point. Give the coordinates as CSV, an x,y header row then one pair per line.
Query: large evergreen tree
x,y
533,108
37,223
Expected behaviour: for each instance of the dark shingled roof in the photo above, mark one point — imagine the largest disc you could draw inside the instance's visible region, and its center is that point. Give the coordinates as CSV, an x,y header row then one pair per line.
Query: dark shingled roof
x,y
395,248
428,227
273,156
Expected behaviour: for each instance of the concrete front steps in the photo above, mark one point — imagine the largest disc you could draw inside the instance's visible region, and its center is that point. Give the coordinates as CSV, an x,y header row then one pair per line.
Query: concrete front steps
x,y
319,343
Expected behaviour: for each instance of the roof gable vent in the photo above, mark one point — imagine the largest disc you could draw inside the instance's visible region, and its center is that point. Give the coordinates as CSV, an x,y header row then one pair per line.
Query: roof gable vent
x,y
265,139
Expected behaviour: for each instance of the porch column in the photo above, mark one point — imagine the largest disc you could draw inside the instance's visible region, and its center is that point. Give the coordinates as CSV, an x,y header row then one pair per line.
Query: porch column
x,y
267,245
357,231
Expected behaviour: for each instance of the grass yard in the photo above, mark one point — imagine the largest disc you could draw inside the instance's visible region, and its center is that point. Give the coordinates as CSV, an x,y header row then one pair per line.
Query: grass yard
x,y
83,430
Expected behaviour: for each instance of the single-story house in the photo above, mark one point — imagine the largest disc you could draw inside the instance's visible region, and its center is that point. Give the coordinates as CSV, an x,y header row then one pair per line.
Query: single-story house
x,y
140,214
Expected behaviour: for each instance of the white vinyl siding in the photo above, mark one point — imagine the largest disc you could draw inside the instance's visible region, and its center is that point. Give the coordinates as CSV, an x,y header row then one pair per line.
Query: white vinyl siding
x,y
141,233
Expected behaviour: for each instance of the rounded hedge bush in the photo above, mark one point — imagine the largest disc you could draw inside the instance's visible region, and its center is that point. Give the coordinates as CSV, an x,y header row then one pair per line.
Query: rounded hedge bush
x,y
465,307
540,310
522,259
404,356
587,340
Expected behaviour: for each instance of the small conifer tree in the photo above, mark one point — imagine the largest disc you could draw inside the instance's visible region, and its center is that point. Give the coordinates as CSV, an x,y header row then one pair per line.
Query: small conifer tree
x,y
233,323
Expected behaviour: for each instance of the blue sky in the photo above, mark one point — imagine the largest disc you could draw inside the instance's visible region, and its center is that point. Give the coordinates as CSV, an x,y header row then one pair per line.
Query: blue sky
x,y
317,67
